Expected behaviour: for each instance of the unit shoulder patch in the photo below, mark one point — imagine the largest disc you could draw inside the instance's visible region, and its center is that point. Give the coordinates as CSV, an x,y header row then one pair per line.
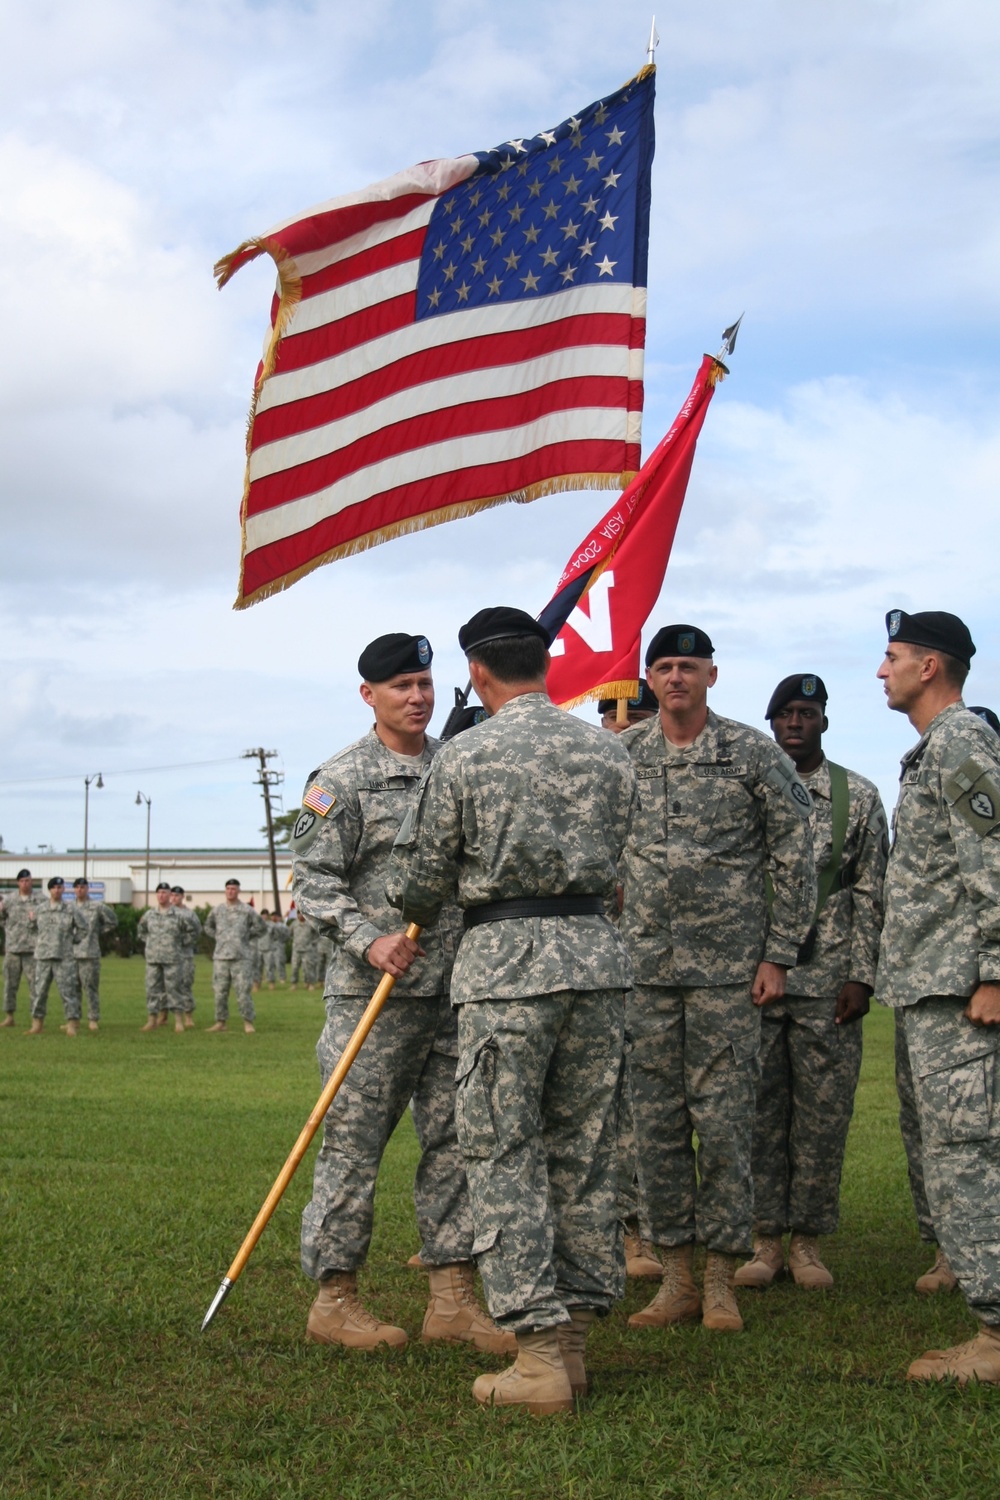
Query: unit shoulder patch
x,y
974,792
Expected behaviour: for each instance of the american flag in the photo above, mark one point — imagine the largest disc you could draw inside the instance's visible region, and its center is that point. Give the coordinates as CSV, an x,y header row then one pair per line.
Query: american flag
x,y
467,332
318,800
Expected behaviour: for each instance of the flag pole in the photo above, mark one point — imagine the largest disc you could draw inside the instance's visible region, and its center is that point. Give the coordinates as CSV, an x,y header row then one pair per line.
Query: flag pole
x,y
309,1129
654,42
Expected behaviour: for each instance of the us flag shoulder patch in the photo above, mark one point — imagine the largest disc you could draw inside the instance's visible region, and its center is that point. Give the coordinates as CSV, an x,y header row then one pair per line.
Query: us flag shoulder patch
x,y
318,800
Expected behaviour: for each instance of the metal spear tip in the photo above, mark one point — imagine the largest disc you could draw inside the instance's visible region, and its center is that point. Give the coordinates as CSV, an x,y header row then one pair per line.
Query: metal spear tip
x,y
729,337
217,1301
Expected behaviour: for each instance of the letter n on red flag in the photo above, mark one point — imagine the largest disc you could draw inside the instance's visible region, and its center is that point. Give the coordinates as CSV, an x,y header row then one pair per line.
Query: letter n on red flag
x,y
611,583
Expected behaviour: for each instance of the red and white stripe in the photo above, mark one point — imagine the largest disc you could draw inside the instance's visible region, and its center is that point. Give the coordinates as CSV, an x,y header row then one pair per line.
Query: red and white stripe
x,y
367,422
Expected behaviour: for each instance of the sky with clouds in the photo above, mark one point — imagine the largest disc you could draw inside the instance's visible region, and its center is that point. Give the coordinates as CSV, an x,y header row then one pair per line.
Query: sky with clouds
x,y
830,169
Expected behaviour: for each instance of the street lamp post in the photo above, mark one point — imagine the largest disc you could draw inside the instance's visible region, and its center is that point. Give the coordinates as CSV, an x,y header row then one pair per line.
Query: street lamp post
x,y
141,797
98,781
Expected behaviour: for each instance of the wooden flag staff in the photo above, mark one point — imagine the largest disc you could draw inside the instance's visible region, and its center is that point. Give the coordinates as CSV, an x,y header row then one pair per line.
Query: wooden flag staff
x,y
309,1129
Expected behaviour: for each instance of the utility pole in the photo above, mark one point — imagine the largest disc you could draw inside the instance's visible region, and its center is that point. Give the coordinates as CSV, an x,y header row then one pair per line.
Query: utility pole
x,y
266,780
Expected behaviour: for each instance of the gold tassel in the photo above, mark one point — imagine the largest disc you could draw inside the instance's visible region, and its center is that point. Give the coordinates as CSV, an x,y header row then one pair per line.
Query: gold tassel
x,y
717,373
620,689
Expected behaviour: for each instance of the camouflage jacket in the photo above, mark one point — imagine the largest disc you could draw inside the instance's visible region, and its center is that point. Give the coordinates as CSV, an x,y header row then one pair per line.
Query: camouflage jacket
x,y
166,933
59,927
714,817
278,934
304,939
942,888
848,927
19,915
232,928
532,802
193,928
97,918
341,864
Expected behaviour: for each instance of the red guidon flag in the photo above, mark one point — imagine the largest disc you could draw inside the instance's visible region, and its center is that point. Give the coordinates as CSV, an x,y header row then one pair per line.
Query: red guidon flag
x,y
611,583
467,332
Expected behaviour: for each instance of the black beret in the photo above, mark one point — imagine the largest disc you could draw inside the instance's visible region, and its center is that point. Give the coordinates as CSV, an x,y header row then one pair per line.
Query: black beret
x,y
391,654
164,885
80,880
232,880
805,685
176,890
24,874
645,703
499,624
933,628
678,640
56,880
988,717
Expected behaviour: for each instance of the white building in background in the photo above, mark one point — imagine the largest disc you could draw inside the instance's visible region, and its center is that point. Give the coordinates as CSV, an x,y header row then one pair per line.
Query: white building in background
x,y
202,872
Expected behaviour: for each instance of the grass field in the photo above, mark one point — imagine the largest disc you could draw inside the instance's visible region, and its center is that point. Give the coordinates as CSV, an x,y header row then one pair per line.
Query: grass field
x,y
132,1166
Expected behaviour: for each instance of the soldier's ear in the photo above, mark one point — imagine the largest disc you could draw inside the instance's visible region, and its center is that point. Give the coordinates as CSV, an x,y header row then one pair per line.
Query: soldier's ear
x,y
826,723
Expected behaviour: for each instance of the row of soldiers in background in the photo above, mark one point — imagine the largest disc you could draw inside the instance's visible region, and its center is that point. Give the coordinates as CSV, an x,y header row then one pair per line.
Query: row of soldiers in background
x,y
59,942
745,978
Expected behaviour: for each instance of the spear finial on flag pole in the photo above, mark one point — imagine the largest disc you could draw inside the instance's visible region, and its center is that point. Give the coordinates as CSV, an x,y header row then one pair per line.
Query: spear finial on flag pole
x,y
729,338
654,41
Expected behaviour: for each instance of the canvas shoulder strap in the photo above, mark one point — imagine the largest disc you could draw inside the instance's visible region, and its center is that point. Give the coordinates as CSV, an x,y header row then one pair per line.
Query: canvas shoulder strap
x,y
839,808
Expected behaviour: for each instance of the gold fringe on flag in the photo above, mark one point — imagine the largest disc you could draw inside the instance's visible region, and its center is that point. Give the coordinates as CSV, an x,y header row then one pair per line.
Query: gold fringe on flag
x,y
558,485
619,689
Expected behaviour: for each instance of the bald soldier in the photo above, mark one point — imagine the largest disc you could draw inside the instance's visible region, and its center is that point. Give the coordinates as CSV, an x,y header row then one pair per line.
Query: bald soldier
x,y
342,841
722,811
19,917
810,1041
940,962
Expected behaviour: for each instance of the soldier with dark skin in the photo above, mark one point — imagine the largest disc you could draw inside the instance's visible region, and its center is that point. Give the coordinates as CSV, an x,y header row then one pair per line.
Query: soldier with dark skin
x,y
810,1051
940,962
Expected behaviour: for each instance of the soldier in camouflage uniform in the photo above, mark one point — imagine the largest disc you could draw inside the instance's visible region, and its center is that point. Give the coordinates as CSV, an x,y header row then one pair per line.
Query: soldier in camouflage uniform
x,y
59,927
342,841
232,925
188,961
164,930
940,962
19,918
304,953
87,950
939,1277
525,816
721,812
275,949
259,943
810,1043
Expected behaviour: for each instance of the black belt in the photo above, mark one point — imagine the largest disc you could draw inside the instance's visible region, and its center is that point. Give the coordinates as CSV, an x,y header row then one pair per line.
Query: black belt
x,y
534,906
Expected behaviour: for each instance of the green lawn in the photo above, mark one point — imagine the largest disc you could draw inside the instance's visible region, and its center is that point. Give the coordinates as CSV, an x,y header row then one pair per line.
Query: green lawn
x,y
132,1166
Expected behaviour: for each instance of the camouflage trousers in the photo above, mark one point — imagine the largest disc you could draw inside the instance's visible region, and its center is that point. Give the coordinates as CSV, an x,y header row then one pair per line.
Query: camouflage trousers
x,y
956,1075
628,1164
232,973
809,1069
409,1056
909,1128
305,966
14,965
693,1067
186,965
88,972
539,1081
63,971
274,970
164,986
256,964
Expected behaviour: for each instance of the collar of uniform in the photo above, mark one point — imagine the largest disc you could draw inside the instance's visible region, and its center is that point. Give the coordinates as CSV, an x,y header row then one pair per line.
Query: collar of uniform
x,y
817,782
938,721
387,761
704,748
524,703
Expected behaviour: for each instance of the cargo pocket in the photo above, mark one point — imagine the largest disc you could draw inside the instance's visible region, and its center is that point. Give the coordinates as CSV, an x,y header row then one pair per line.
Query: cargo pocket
x,y
957,1102
474,1122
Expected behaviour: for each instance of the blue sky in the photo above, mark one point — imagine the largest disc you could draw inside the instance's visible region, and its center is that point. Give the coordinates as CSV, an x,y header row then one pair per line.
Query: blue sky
x,y
833,170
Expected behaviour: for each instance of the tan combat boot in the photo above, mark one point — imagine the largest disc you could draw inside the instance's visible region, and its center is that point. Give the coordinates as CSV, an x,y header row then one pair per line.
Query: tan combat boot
x,y
219,1026
178,1023
572,1344
151,1024
805,1265
338,1316
416,1264
162,1017
640,1259
188,1021
72,1027
249,1027
8,1019
677,1300
721,1311
979,1359
537,1379
93,1026
940,1277
454,1314
35,1028
767,1263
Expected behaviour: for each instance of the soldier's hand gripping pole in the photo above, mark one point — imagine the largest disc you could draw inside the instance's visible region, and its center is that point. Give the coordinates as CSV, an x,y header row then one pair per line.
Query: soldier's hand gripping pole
x,y
309,1129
